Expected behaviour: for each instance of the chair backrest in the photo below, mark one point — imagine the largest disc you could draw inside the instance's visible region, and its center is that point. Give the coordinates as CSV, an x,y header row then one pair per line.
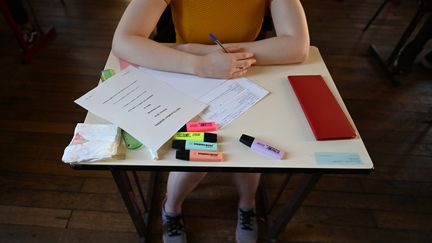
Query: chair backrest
x,y
426,5
165,31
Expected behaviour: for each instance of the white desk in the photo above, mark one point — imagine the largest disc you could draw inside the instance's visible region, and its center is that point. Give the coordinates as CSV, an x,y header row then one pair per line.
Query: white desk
x,y
277,119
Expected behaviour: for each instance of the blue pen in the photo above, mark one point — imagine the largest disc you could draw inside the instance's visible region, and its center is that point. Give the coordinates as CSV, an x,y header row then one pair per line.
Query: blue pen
x,y
218,42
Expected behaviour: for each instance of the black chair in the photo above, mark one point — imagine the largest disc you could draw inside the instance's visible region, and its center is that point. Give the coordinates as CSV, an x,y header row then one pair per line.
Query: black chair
x,y
423,7
381,7
165,31
44,36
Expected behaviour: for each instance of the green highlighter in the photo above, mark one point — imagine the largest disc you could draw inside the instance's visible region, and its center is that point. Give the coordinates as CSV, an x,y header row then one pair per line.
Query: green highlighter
x,y
106,74
131,142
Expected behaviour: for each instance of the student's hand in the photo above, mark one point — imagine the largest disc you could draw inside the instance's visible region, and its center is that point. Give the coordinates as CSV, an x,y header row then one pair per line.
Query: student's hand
x,y
203,49
225,65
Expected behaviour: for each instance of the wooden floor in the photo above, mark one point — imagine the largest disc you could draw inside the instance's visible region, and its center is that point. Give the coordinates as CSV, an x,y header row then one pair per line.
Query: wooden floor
x,y
43,200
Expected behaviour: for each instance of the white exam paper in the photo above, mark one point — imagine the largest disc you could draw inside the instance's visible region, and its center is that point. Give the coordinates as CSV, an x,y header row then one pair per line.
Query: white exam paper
x,y
227,99
142,105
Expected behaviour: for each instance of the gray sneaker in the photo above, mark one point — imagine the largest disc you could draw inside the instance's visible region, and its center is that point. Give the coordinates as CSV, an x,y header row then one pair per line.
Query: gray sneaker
x,y
247,226
173,227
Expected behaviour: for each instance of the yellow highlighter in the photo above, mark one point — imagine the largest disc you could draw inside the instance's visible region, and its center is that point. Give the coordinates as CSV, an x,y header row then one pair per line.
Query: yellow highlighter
x,y
196,136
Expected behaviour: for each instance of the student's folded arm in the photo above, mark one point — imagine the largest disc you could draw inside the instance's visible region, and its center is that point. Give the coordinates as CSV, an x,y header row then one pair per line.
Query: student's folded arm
x,y
131,40
291,43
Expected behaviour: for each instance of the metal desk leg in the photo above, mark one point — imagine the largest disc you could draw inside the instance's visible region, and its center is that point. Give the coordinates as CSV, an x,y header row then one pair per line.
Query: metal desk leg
x,y
139,219
305,186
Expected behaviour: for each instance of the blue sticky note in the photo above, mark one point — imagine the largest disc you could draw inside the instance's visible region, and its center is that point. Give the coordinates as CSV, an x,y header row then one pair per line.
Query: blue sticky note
x,y
326,158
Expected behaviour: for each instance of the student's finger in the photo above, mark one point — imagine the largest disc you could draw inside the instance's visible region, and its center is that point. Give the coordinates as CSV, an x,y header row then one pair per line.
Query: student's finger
x,y
239,73
245,63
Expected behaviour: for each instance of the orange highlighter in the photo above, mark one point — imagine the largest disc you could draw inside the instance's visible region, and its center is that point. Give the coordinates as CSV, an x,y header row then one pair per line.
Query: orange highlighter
x,y
198,155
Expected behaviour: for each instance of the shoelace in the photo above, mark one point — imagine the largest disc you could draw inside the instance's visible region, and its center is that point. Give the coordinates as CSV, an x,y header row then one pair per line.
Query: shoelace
x,y
246,219
175,226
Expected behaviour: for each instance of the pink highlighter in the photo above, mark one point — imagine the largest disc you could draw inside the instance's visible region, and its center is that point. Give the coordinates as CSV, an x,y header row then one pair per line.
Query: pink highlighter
x,y
261,147
199,127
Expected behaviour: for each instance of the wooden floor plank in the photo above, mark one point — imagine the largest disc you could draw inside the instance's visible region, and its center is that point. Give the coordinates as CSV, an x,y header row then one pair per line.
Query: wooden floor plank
x,y
370,201
325,233
35,234
96,220
12,181
56,218
63,200
404,221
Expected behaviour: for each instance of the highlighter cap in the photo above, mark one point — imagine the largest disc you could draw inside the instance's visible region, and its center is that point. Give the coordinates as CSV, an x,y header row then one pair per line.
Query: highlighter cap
x,y
246,139
183,129
178,144
210,137
183,154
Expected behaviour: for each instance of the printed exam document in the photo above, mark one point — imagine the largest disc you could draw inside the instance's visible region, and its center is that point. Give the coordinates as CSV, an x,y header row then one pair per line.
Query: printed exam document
x,y
227,99
148,109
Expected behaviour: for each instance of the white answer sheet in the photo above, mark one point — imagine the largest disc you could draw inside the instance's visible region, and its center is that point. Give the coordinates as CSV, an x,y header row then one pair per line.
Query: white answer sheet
x,y
227,99
148,109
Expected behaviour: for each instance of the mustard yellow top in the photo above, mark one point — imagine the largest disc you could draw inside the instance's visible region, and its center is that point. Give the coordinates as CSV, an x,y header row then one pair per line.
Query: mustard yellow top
x,y
228,20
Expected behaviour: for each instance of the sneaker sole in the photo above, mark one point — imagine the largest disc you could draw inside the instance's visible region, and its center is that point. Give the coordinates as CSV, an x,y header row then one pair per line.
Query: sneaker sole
x,y
239,241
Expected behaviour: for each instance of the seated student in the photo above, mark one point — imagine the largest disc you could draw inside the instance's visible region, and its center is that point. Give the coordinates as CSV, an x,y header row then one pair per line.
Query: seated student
x,y
19,13
237,24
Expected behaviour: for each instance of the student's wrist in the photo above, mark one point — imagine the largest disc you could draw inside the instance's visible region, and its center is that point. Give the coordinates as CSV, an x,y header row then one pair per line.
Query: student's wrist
x,y
189,64
196,65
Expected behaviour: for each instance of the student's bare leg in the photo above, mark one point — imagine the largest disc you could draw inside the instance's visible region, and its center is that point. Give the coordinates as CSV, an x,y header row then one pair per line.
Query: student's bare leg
x,y
247,225
247,184
179,185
